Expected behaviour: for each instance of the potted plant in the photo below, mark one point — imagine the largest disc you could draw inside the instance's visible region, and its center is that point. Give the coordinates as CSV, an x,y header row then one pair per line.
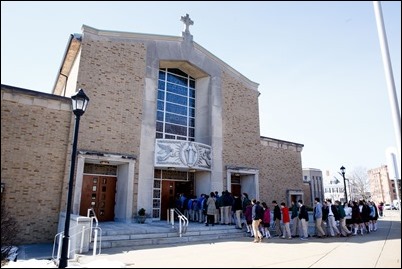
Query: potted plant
x,y
141,215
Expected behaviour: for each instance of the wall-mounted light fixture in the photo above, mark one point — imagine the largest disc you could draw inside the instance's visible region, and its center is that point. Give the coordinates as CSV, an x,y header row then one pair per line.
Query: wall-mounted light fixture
x,y
104,162
2,187
191,170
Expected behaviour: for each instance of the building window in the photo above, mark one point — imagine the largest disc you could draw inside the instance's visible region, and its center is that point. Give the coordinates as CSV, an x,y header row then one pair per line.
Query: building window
x,y
175,116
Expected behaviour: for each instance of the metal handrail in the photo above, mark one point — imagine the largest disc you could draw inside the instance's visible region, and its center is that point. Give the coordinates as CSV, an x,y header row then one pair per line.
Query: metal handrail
x,y
58,239
95,232
93,218
183,221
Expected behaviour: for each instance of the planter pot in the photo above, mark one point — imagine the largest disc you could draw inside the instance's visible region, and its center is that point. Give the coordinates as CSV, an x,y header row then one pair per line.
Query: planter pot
x,y
141,219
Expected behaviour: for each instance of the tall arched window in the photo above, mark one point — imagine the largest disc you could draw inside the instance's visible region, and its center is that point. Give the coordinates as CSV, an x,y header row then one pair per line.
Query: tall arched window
x,y
176,105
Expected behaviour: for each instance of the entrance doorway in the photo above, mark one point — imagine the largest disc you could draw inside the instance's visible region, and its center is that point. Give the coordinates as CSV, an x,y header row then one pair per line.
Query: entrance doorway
x,y
235,185
171,191
98,192
294,198
236,190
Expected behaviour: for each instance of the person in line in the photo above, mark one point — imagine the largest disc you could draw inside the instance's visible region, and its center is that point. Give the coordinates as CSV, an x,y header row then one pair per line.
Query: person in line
x,y
201,216
295,219
303,217
211,208
238,210
257,215
317,216
348,216
373,216
356,218
217,211
325,225
365,214
219,204
195,208
285,221
333,216
245,201
277,219
190,208
381,209
227,207
249,219
266,220
342,219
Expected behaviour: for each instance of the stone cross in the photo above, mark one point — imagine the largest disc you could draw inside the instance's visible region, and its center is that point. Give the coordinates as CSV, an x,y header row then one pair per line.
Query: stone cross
x,y
187,21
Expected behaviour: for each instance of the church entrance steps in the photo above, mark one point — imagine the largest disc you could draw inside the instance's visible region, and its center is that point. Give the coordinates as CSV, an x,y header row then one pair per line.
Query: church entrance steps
x,y
116,234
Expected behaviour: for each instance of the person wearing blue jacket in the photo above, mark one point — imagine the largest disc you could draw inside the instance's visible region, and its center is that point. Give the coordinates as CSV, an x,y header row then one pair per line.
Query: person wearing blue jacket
x,y
317,215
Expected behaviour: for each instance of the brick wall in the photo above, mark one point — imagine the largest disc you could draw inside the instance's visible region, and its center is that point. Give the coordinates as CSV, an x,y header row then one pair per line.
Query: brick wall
x,y
112,75
279,162
35,129
241,138
280,170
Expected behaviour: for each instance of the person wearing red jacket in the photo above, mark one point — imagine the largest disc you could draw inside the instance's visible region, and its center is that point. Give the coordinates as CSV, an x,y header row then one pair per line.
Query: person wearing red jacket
x,y
285,221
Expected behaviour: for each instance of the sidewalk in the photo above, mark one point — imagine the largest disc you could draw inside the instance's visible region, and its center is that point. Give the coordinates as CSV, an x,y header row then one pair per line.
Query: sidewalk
x,y
380,249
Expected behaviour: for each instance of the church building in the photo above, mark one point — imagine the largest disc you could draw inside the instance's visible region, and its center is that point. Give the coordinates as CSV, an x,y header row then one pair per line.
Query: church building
x,y
165,117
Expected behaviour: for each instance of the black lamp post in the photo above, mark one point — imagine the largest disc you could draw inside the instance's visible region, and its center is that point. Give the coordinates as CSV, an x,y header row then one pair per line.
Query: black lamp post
x,y
79,102
344,182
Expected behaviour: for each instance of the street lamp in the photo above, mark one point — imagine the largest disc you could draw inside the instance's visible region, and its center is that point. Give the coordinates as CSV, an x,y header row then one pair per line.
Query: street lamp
x,y
79,102
344,182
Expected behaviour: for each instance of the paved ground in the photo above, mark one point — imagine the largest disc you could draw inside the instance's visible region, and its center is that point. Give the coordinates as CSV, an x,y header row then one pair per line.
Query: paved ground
x,y
380,249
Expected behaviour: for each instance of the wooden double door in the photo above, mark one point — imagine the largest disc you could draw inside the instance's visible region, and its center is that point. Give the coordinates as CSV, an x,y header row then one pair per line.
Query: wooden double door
x,y
98,192
170,192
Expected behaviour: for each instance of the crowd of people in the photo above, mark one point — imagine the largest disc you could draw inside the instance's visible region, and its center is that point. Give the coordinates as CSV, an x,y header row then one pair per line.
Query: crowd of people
x,y
331,219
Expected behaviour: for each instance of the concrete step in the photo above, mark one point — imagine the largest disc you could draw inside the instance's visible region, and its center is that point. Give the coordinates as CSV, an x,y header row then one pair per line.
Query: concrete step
x,y
159,233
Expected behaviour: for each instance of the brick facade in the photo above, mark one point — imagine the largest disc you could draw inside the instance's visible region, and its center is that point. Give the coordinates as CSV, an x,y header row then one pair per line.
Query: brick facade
x,y
35,130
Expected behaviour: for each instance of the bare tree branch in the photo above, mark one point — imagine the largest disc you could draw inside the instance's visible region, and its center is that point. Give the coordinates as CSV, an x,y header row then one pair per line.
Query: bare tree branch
x,y
359,183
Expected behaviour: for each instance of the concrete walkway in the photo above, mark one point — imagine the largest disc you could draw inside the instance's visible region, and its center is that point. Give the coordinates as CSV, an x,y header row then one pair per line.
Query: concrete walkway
x,y
380,249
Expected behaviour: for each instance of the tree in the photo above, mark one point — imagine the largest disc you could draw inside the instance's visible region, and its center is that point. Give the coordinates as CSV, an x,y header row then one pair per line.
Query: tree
x,y
8,233
359,186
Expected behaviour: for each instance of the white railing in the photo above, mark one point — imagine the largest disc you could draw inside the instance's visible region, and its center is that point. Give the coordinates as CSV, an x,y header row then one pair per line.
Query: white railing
x,y
81,235
91,214
183,221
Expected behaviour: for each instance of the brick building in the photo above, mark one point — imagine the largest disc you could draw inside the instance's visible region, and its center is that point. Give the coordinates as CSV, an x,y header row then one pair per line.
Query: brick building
x,y
165,117
382,187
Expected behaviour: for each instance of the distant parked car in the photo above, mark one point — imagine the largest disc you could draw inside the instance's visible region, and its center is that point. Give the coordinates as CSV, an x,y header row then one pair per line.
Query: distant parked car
x,y
387,207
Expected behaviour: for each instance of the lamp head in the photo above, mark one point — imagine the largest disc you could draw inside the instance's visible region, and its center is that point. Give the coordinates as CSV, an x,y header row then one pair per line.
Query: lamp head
x,y
79,102
343,170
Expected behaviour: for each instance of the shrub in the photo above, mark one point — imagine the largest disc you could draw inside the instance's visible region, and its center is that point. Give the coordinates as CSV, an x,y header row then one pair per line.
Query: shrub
x,y
141,212
8,234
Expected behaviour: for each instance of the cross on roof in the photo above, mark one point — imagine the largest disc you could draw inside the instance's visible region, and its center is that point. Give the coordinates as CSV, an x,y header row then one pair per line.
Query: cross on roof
x,y
187,21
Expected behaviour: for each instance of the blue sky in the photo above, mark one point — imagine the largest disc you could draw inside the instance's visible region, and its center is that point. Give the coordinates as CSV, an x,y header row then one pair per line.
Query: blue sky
x,y
318,64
